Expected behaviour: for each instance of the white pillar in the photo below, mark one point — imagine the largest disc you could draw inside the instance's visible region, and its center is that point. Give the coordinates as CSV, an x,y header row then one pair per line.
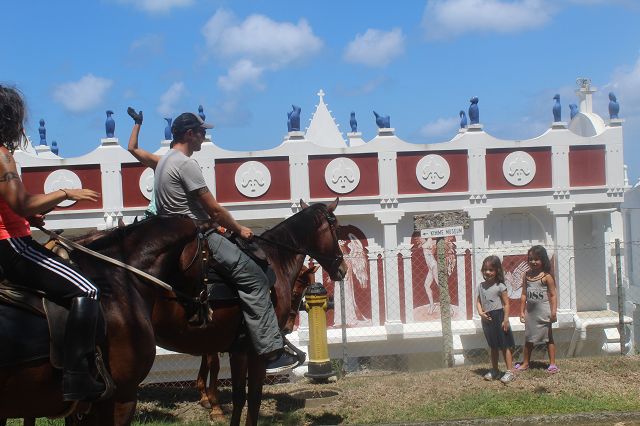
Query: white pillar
x,y
388,179
405,251
564,253
478,216
373,250
299,178
389,219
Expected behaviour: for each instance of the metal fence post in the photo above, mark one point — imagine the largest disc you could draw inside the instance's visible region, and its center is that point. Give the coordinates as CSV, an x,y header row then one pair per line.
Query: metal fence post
x,y
343,314
620,289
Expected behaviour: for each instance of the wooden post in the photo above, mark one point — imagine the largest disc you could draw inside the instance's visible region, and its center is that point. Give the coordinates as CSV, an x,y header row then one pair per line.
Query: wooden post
x,y
438,226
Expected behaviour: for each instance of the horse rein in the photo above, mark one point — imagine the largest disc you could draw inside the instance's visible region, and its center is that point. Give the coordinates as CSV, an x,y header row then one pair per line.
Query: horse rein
x,y
69,245
335,260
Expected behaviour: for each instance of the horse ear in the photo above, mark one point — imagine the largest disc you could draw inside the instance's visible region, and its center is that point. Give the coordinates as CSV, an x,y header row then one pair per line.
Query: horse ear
x,y
303,204
331,207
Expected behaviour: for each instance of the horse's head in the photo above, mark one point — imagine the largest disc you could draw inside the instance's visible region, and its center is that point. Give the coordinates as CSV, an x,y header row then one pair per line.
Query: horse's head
x,y
324,244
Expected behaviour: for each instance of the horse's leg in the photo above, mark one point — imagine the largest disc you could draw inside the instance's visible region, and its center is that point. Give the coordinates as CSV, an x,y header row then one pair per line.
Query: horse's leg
x,y
201,381
238,362
212,391
257,373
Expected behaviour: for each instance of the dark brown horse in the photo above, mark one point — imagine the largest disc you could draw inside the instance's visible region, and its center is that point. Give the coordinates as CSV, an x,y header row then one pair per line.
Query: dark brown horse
x,y
210,362
166,248
312,232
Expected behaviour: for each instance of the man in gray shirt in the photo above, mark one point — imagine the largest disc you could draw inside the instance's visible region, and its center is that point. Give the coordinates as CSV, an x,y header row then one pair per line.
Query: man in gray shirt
x,y
180,189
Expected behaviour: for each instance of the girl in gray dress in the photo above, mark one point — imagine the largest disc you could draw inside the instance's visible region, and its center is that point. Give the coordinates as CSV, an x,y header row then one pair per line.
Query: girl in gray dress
x,y
493,307
540,300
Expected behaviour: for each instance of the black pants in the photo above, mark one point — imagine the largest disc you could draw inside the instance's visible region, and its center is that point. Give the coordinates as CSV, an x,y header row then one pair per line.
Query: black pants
x,y
28,264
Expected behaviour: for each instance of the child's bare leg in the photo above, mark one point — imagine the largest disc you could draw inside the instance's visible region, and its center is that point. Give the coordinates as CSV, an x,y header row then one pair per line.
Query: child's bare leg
x,y
526,354
551,347
494,358
508,358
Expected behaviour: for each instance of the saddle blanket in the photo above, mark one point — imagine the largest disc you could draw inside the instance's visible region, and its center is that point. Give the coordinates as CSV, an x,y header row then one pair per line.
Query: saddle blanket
x,y
15,325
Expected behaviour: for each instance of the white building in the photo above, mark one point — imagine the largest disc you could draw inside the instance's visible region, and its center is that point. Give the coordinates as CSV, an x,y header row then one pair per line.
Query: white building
x,y
562,189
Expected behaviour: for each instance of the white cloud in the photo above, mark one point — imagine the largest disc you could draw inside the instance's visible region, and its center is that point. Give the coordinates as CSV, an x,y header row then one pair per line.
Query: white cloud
x,y
625,83
367,87
444,19
82,95
243,72
440,127
260,39
169,98
375,48
151,43
157,6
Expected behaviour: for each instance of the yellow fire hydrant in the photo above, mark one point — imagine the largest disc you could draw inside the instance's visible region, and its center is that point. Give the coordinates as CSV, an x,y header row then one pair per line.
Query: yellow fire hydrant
x,y
316,304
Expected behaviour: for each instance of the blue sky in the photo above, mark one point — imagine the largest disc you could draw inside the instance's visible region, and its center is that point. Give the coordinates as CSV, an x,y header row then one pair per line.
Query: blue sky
x,y
246,62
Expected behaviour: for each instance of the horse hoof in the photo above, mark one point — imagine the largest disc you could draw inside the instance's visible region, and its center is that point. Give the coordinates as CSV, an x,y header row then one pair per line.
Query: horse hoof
x,y
204,402
216,415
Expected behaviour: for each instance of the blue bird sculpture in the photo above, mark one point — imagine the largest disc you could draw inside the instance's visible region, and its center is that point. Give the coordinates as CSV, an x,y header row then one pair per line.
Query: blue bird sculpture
x,y
383,121
463,120
43,132
201,112
474,112
557,109
54,147
167,130
353,123
614,107
574,110
293,119
110,124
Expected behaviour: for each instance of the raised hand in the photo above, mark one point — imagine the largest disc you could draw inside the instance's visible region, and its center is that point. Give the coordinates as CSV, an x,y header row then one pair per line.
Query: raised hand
x,y
137,116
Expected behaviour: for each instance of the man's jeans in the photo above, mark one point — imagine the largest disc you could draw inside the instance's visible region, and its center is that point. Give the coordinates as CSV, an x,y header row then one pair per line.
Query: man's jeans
x,y
253,288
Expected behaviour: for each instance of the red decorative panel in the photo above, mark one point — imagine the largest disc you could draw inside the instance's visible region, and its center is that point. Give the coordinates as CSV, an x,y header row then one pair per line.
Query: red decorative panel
x,y
496,179
408,183
587,165
90,176
368,165
226,191
131,195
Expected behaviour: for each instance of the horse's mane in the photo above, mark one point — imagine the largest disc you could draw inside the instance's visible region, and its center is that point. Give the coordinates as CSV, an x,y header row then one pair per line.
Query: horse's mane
x,y
293,232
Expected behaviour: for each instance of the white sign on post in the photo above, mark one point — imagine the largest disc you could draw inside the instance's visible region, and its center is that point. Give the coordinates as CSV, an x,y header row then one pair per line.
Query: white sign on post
x,y
442,232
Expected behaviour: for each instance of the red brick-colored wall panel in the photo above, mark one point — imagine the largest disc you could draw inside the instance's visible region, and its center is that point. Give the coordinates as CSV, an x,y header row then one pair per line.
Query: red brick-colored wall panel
x,y
131,195
587,166
226,191
368,165
90,177
496,179
458,165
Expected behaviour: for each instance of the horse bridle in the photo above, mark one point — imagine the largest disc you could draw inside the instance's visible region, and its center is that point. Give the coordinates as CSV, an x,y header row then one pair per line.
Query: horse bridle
x,y
335,261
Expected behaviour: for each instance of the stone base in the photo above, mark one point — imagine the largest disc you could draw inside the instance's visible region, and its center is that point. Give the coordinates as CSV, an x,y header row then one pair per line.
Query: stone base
x,y
474,128
556,125
295,136
615,122
386,131
109,141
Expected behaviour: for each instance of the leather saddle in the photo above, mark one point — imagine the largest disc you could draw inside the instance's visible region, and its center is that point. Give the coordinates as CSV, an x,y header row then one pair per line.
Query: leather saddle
x,y
32,327
221,288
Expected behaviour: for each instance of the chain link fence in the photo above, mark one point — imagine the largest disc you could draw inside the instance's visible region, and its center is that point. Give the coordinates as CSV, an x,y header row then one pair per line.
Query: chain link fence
x,y
414,308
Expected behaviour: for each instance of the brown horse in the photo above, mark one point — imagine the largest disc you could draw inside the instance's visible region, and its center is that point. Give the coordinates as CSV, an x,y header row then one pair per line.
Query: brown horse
x,y
210,363
312,232
165,247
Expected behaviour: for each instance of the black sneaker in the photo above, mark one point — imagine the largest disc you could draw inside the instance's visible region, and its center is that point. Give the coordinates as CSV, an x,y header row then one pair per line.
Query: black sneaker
x,y
285,361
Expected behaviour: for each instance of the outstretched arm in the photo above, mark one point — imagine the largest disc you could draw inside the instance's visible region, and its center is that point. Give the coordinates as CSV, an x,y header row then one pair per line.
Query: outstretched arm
x,y
25,204
144,156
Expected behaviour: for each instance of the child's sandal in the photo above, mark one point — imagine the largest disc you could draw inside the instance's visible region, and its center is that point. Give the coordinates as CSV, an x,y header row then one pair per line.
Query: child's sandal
x,y
552,369
519,368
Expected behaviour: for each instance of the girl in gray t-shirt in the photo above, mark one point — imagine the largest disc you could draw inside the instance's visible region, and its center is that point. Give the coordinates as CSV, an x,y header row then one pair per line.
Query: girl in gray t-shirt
x,y
493,308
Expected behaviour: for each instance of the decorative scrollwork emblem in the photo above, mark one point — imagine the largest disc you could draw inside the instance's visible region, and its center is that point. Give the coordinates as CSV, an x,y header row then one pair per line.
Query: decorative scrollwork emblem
x,y
519,168
253,179
342,175
146,183
62,179
433,171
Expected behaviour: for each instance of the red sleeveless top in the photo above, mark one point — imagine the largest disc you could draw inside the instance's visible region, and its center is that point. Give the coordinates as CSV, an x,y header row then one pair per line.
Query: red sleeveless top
x,y
11,224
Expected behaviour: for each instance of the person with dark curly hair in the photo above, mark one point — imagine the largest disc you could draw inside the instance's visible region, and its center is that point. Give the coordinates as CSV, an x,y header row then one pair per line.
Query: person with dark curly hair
x,y
26,263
